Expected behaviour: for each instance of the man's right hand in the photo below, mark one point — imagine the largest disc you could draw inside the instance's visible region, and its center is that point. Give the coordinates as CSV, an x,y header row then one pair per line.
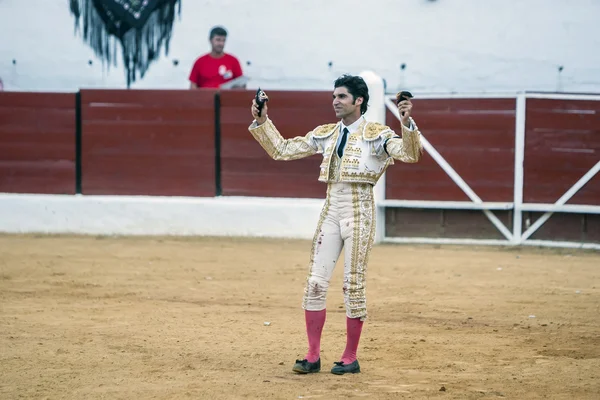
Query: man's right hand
x,y
260,120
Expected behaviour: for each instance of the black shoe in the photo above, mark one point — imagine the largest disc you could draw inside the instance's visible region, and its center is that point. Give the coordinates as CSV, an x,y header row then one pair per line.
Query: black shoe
x,y
305,367
340,368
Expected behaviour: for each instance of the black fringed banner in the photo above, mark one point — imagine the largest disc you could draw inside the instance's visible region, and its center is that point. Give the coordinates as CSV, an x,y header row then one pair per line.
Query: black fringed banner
x,y
141,26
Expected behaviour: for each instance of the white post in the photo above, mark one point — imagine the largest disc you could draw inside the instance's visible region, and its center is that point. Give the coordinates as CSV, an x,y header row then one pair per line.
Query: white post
x,y
521,107
376,113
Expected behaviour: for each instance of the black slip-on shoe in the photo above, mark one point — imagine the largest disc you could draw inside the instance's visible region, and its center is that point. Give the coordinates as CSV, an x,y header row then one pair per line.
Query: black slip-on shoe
x,y
340,368
305,367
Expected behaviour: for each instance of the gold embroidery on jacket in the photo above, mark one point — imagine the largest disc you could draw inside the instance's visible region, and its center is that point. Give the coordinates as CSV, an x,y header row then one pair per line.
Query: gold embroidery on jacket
x,y
279,148
323,131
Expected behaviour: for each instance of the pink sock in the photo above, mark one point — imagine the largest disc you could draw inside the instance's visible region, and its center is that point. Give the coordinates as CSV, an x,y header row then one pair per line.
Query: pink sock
x,y
315,320
353,331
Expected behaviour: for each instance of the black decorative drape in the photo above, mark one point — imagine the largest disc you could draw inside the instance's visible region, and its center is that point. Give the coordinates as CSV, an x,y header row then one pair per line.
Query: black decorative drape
x,y
142,27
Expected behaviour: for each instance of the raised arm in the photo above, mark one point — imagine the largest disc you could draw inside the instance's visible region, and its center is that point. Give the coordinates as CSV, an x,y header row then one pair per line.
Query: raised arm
x,y
407,148
278,148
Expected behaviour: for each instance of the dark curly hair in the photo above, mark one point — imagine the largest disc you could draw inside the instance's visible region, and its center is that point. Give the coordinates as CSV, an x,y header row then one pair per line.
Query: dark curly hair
x,y
217,31
356,87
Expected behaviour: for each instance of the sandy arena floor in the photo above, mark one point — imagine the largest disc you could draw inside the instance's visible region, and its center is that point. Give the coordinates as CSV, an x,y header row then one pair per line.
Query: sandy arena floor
x,y
148,318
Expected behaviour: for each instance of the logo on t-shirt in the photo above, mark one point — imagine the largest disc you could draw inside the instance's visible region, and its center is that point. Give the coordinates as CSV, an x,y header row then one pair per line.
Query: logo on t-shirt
x,y
224,72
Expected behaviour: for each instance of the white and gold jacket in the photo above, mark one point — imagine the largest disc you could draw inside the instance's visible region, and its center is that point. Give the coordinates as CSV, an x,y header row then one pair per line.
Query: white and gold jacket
x,y
367,154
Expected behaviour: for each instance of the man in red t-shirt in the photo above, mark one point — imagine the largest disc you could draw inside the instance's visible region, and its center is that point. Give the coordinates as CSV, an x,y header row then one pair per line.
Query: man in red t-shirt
x,y
217,67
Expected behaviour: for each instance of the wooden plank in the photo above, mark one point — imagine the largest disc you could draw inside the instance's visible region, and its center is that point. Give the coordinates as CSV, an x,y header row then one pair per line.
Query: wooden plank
x,y
488,106
549,193
562,121
263,165
148,186
136,137
43,177
148,98
37,100
560,227
591,228
439,191
442,223
166,114
272,185
561,106
37,119
464,122
319,100
544,140
37,152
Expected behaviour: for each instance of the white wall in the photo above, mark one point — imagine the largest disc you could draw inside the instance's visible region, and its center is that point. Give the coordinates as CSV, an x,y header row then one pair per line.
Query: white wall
x,y
447,45
145,215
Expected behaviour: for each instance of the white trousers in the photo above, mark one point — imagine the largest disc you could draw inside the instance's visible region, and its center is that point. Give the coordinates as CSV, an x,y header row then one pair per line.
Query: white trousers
x,y
347,221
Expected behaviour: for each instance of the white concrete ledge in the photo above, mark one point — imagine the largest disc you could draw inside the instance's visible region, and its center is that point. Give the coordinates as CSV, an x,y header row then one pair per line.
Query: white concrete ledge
x,y
145,215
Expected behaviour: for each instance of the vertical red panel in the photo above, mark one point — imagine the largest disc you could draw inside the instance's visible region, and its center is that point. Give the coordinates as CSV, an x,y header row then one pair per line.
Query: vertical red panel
x,y
247,170
37,142
475,136
562,143
148,142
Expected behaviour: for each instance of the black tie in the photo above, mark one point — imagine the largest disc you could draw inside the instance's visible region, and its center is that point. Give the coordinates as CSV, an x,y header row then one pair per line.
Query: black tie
x,y
342,143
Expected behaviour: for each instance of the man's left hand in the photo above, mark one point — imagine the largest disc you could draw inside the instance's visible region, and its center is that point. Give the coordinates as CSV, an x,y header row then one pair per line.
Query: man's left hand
x,y
405,106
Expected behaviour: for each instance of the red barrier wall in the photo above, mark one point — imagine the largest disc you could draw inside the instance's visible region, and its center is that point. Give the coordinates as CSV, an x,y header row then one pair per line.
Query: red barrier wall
x,y
37,143
475,136
148,142
562,142
160,142
246,169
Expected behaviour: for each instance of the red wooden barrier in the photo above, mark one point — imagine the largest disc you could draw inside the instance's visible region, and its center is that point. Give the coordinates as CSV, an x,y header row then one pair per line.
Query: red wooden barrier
x,y
148,142
246,169
475,136
562,142
37,143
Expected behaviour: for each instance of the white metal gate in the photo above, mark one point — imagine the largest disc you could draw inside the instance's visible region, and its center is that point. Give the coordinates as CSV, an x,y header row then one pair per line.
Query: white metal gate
x,y
518,235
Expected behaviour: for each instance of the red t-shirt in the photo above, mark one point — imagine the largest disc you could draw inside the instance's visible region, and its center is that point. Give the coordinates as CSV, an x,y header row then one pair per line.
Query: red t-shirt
x,y
210,72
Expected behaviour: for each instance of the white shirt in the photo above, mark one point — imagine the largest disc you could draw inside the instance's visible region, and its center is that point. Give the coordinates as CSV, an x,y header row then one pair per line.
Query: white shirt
x,y
351,129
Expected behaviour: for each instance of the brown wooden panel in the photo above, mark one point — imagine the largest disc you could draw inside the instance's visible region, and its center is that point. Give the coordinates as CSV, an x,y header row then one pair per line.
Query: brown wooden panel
x,y
487,123
475,136
37,100
37,120
563,115
562,142
591,228
55,177
560,227
148,142
47,149
401,222
126,114
464,106
37,142
246,169
195,99
588,194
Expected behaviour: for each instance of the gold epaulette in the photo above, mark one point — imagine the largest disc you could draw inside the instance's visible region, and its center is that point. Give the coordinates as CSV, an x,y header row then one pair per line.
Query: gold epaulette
x,y
323,131
373,130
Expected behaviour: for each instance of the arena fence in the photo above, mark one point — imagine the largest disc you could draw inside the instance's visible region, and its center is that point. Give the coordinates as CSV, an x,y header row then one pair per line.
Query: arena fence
x,y
556,144
506,169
